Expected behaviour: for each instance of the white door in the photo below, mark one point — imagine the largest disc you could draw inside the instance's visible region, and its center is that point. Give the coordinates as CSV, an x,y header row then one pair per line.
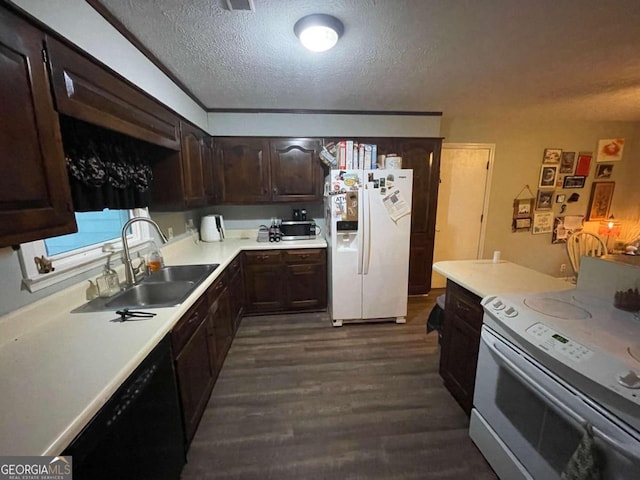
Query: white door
x,y
465,171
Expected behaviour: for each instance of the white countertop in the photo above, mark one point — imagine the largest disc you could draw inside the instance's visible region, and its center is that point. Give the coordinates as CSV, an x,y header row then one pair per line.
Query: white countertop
x,y
57,369
483,277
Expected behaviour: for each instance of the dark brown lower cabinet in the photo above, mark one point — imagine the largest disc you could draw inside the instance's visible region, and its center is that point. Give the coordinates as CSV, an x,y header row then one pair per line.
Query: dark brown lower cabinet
x,y
285,280
236,291
221,321
196,374
306,276
264,281
276,280
460,343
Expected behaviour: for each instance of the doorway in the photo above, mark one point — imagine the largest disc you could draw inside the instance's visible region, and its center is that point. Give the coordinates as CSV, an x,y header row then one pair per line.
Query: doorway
x,y
463,198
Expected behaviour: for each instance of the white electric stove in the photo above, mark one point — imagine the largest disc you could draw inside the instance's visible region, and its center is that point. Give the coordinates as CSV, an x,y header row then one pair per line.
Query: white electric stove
x,y
579,336
555,367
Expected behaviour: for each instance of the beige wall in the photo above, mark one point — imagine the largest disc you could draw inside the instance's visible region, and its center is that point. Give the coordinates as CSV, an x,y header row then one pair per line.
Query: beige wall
x,y
519,149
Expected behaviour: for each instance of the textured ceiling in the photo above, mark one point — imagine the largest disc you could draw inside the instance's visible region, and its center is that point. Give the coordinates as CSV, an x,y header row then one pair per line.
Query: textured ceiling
x,y
570,59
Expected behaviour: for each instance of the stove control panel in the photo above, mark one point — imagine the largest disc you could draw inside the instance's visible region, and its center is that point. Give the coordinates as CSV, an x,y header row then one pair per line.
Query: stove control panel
x,y
550,340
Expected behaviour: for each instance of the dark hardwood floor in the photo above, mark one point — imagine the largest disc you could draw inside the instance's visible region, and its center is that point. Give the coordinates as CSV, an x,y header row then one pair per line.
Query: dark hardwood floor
x,y
299,399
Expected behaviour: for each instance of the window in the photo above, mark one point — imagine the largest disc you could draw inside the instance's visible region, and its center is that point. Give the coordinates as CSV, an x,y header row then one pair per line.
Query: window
x,y
93,228
98,236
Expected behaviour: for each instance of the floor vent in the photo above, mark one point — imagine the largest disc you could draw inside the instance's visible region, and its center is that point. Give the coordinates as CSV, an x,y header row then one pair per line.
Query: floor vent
x,y
240,5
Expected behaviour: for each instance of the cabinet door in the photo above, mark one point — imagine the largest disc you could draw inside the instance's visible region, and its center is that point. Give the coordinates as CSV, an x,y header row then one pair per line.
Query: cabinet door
x,y
212,172
296,173
423,156
306,287
193,167
35,200
460,343
244,170
264,281
195,377
222,327
86,90
236,292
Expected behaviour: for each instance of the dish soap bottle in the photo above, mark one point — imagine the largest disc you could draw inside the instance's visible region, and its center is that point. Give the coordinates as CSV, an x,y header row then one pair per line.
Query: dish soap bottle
x,y
108,283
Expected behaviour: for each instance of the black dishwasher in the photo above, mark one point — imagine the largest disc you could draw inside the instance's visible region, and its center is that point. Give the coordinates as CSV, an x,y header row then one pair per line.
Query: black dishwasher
x,y
138,433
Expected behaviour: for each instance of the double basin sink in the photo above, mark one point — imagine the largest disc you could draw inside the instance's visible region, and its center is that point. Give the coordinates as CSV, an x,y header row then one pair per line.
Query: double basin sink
x,y
166,287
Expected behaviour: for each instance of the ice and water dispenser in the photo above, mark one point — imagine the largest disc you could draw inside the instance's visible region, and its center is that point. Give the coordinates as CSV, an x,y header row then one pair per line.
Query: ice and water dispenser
x,y
347,235
347,227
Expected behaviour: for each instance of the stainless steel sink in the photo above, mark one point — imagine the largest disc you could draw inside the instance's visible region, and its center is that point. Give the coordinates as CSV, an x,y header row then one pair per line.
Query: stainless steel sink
x,y
145,295
167,287
181,273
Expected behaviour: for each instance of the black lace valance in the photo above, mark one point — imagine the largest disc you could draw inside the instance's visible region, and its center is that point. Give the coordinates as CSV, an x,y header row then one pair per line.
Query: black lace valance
x,y
106,169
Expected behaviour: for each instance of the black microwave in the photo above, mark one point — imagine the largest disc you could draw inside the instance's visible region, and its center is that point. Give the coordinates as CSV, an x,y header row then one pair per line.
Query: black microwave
x,y
298,230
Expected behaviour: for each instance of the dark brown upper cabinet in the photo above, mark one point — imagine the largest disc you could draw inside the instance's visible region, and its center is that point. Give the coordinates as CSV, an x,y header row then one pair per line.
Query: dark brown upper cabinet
x,y
193,165
88,91
296,173
181,179
267,170
243,171
35,200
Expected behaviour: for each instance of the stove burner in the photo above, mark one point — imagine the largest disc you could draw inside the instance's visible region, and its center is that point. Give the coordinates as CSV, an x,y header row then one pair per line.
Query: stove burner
x,y
634,352
553,307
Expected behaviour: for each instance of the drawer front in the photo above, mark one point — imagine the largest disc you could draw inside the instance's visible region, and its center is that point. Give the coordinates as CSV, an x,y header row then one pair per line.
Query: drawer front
x,y
304,255
188,324
217,288
263,257
464,304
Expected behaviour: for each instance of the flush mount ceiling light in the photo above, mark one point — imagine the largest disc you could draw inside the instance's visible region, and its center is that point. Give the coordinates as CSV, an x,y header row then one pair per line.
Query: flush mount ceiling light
x,y
318,32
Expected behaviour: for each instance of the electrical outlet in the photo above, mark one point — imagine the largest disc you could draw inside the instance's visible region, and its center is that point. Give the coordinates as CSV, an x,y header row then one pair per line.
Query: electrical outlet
x,y
563,267
169,233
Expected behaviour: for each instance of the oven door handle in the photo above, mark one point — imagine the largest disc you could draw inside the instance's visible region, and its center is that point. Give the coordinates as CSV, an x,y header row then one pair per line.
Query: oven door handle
x,y
628,451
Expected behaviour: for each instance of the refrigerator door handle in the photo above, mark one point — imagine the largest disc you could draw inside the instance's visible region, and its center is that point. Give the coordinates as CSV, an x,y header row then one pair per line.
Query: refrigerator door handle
x,y
367,229
360,229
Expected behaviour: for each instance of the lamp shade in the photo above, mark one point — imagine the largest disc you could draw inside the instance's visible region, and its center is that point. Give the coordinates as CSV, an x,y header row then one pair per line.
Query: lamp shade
x,y
610,228
318,32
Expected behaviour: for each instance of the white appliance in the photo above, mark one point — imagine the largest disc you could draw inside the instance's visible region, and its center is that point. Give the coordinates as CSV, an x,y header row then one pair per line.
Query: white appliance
x,y
212,228
552,366
368,226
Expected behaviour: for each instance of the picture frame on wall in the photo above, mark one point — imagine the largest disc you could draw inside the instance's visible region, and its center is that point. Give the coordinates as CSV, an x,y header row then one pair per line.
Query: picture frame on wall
x,y
542,223
583,164
548,174
600,200
604,170
522,214
552,155
574,182
567,162
610,150
544,200
559,233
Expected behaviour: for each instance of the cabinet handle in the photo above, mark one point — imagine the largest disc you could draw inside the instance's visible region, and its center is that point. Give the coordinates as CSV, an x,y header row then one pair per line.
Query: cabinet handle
x,y
275,190
193,318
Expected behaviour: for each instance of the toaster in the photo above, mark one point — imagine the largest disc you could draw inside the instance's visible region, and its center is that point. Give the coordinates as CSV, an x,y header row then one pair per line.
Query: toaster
x,y
212,228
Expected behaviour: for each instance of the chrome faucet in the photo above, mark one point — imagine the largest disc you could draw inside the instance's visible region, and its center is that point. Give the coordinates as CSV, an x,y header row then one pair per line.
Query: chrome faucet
x,y
128,266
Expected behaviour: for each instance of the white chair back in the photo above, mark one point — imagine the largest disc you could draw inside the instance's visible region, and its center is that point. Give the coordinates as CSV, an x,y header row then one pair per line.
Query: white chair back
x,y
582,244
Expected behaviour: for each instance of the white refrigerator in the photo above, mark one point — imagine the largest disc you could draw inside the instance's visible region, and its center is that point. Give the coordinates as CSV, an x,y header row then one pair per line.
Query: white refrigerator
x,y
368,227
